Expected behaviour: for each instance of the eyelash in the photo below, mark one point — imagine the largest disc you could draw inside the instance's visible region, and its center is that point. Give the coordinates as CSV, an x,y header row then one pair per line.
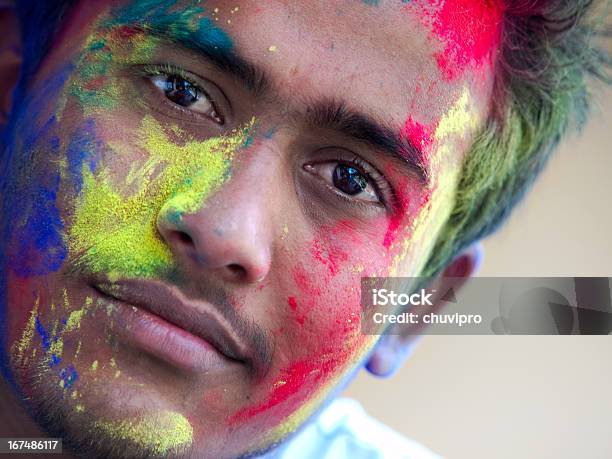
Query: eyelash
x,y
172,70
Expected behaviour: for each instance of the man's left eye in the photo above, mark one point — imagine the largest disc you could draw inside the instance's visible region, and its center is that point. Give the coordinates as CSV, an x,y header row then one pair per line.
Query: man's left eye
x,y
347,179
186,94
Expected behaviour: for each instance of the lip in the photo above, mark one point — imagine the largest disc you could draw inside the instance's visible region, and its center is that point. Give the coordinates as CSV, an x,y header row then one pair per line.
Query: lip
x,y
160,319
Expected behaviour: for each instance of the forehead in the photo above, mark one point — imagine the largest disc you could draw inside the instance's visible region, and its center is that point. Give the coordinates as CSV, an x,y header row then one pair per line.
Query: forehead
x,y
394,57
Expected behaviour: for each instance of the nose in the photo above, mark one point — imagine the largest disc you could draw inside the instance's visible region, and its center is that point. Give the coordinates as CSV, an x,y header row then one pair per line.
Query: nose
x,y
229,235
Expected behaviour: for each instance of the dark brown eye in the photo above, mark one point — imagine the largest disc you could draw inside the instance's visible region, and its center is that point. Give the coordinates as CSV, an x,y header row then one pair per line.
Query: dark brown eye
x,y
349,180
186,94
181,91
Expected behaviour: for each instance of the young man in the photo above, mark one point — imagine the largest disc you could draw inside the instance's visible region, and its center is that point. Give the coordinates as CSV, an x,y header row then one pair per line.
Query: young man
x,y
192,191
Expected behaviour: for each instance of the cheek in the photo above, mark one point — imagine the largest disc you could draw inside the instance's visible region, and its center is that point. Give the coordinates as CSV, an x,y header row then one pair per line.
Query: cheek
x,y
21,303
319,336
326,301
327,279
44,331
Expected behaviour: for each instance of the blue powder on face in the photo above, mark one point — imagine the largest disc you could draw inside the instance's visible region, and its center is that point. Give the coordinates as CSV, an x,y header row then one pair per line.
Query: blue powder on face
x,y
83,148
269,134
178,23
40,246
44,336
69,375
32,222
46,343
38,243
37,235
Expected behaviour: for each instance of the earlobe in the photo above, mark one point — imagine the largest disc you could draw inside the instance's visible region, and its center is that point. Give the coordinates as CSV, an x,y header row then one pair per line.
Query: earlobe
x,y
467,263
390,353
396,346
10,57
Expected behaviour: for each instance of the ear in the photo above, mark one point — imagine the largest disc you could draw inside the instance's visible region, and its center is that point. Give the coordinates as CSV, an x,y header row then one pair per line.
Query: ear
x,y
10,57
393,348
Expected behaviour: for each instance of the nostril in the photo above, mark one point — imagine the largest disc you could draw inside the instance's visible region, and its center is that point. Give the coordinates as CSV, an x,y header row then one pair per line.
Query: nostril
x,y
237,270
183,238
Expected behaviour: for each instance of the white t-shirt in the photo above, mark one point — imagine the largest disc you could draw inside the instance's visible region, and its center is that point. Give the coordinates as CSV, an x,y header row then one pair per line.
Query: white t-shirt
x,y
345,431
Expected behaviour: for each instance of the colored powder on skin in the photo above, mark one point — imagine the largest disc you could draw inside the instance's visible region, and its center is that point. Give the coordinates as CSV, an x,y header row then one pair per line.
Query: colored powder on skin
x,y
298,416
395,224
123,39
418,134
181,22
56,349
469,30
292,302
31,218
459,121
117,233
304,380
162,433
290,384
65,299
94,91
44,336
302,281
20,347
95,85
78,350
269,134
52,342
83,148
68,377
329,255
39,245
69,325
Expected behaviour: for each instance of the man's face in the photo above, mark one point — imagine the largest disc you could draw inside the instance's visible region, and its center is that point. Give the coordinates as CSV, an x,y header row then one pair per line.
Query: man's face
x,y
197,188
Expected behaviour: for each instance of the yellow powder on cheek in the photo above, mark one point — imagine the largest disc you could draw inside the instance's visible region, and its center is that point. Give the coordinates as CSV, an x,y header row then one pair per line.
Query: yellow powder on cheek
x,y
117,233
20,347
163,433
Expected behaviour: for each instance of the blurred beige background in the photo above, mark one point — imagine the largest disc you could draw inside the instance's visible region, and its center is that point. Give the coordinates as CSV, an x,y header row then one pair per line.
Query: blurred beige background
x,y
511,397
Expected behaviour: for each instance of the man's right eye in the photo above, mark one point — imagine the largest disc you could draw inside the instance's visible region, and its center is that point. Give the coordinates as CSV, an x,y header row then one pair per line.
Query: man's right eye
x,y
184,93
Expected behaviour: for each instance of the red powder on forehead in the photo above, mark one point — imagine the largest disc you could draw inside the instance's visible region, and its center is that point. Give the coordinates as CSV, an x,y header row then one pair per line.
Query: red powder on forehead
x,y
469,29
421,136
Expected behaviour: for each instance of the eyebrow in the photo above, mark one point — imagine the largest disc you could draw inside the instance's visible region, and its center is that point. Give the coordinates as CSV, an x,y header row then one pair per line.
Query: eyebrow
x,y
328,114
336,116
